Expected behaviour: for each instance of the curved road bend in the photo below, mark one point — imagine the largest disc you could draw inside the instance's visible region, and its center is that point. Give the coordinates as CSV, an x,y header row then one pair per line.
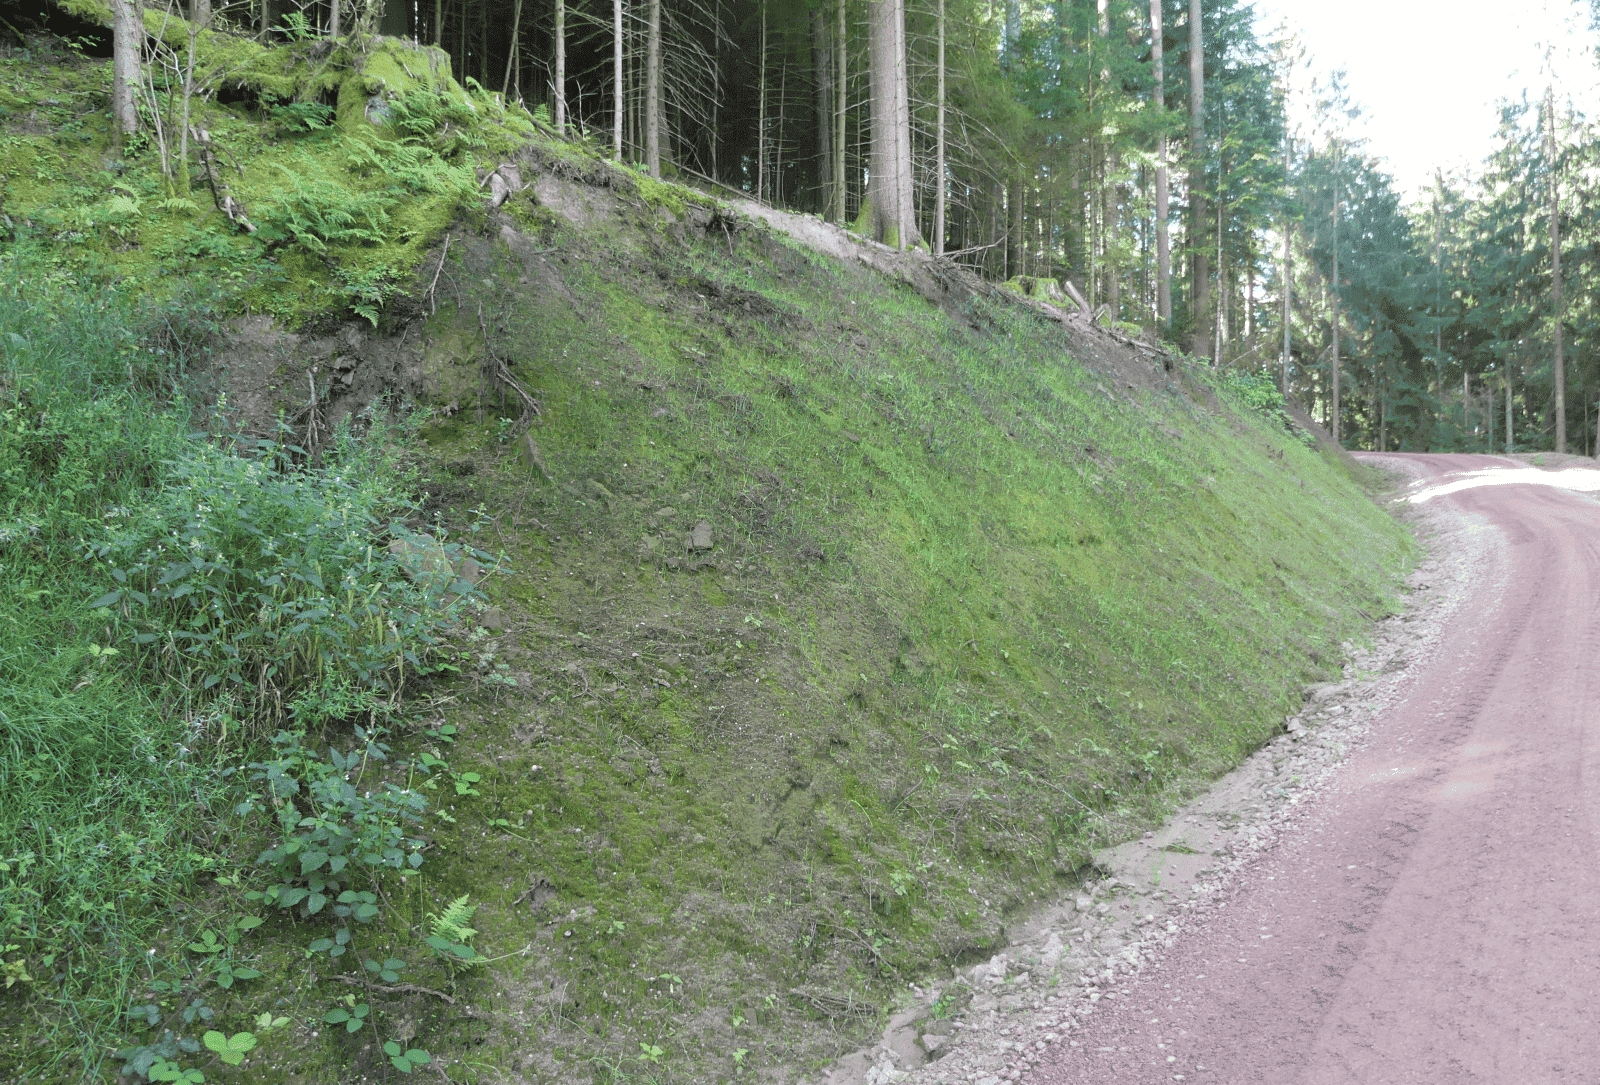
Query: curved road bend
x,y
1437,917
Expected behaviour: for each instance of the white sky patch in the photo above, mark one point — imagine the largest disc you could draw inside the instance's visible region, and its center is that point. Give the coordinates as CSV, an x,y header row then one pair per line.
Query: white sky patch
x,y
1430,73
1575,479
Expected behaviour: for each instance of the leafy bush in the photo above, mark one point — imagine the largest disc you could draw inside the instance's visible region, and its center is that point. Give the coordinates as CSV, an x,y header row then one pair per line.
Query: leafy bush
x,y
101,789
248,577
1257,391
331,831
416,169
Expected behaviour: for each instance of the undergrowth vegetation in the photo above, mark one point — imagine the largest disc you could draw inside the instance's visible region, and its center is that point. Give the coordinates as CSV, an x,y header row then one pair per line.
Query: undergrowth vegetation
x,y
167,599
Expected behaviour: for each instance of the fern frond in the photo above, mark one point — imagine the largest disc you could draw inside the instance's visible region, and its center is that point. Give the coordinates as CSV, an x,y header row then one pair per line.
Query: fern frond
x,y
453,923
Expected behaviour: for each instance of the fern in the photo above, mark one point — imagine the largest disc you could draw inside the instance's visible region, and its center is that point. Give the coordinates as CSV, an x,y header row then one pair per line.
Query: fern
x,y
318,214
426,118
453,923
451,937
417,169
178,203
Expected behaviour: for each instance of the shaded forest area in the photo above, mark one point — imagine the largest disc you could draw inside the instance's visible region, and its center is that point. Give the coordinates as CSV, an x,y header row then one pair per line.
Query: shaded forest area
x,y
1058,141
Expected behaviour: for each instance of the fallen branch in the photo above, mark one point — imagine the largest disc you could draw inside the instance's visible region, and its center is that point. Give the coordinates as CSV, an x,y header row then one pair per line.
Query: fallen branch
x,y
232,208
502,372
409,989
433,308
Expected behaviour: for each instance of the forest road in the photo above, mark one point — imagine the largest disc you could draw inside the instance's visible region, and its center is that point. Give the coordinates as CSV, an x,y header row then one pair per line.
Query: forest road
x,y
1436,916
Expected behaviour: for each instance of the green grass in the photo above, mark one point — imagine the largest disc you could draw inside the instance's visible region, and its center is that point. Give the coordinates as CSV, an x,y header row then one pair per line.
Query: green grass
x,y
103,801
166,602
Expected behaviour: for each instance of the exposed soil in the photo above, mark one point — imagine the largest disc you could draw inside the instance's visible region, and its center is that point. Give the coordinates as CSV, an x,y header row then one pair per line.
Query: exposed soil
x,y
1399,888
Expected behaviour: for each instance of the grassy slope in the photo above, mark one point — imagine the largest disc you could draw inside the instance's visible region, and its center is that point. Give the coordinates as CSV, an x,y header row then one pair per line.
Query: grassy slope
x,y
968,615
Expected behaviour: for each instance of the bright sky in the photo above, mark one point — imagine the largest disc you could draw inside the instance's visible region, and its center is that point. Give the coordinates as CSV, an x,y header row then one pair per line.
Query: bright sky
x,y
1429,73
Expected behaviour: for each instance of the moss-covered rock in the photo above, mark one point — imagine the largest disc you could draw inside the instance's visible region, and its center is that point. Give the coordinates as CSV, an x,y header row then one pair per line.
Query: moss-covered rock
x,y
389,70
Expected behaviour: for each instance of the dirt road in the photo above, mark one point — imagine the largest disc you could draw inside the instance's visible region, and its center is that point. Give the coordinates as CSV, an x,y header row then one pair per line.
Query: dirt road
x,y
1435,915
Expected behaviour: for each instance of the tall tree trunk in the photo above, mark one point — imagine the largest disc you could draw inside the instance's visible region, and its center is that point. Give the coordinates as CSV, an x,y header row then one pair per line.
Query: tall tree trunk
x,y
822,57
483,39
652,93
777,141
200,15
1288,281
1014,222
1012,193
761,110
1556,312
516,44
633,98
438,23
1383,417
618,100
1335,423
1219,323
889,177
1200,264
1510,443
560,74
841,105
334,11
127,66
938,152
1163,236
1109,204
1438,293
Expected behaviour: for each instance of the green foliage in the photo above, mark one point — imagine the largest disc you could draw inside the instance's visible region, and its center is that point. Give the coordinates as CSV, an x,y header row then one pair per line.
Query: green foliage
x,y
317,213
243,566
334,834
366,290
405,1060
450,937
300,117
440,122
1254,391
230,1049
416,169
247,577
101,789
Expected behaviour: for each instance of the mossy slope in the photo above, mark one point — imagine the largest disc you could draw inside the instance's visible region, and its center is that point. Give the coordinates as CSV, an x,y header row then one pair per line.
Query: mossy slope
x,y
971,609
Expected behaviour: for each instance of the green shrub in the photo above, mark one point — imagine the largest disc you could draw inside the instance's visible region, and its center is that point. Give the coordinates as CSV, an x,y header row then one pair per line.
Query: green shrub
x,y
249,577
427,118
1257,391
333,835
101,790
298,117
